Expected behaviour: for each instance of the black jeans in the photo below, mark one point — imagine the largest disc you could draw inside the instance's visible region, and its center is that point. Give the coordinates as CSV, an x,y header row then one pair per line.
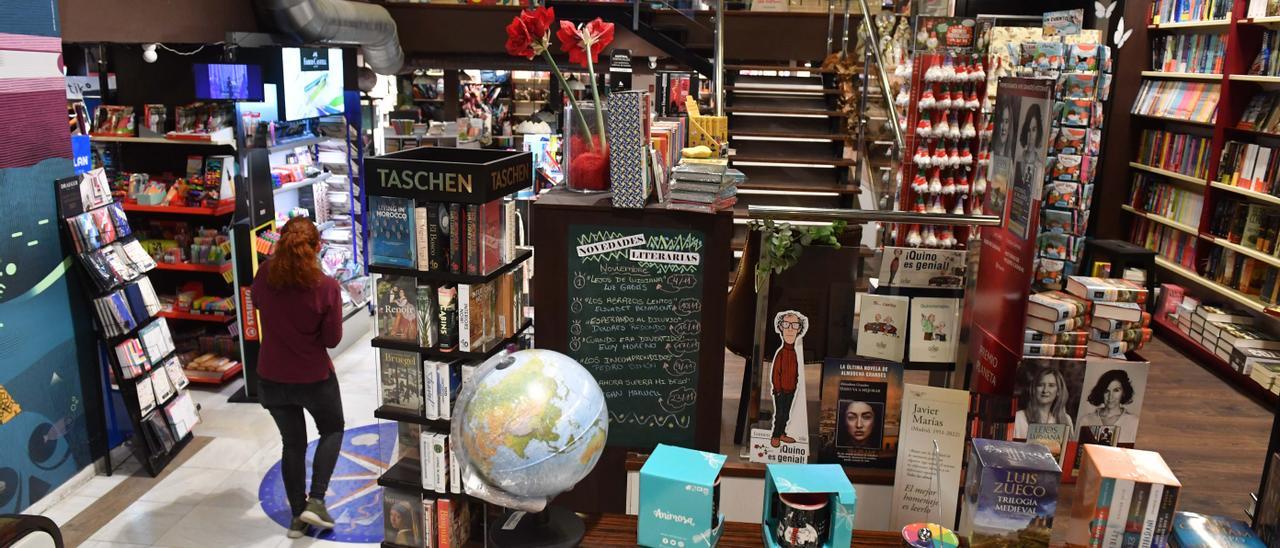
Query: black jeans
x,y
286,402
782,412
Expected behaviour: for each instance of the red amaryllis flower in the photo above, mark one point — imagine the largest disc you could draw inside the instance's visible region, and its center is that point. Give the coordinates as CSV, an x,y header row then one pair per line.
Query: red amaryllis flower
x,y
529,32
590,38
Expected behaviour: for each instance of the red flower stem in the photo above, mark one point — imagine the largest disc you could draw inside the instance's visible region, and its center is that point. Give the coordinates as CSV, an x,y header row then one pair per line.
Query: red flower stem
x,y
595,95
573,103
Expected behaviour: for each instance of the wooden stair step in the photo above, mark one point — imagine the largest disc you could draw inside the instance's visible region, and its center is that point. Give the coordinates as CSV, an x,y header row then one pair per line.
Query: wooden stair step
x,y
786,134
760,90
783,111
778,68
843,162
781,186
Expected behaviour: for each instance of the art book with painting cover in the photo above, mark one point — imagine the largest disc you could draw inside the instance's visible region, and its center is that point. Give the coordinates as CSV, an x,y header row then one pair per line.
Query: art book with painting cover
x,y
882,327
860,413
391,231
397,303
401,377
402,518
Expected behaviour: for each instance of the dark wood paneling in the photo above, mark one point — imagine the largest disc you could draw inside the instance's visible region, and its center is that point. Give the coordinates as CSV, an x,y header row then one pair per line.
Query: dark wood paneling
x,y
1119,145
620,530
141,21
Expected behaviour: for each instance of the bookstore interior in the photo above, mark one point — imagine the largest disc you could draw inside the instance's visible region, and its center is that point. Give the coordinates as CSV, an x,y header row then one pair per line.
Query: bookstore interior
x,y
613,247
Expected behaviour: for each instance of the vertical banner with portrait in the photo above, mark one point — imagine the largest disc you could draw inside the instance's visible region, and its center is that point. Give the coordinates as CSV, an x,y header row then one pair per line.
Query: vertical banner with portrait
x,y
860,413
1016,181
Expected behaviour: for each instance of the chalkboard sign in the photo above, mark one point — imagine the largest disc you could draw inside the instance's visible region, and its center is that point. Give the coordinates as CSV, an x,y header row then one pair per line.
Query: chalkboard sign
x,y
635,320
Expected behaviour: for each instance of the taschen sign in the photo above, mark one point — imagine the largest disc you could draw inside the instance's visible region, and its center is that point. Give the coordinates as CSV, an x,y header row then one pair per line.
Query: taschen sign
x,y
471,176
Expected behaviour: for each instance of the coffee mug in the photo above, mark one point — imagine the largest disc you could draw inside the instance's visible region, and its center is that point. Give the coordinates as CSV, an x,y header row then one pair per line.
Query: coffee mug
x,y
803,519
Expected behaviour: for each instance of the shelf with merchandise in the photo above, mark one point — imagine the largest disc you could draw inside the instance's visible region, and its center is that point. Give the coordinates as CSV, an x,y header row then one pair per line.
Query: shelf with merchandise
x,y
195,267
1168,174
202,377
1182,75
1270,82
1206,125
188,140
1239,298
436,353
1253,132
1162,220
406,475
1252,253
225,207
1253,195
196,316
389,413
1272,22
1192,26
448,277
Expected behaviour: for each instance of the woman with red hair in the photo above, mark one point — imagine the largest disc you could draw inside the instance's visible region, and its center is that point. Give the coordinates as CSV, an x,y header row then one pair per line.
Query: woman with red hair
x,y
301,313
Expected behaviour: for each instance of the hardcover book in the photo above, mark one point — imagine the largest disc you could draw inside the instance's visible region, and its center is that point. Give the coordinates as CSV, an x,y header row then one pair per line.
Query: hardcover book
x,y
1191,530
421,239
428,331
438,237
402,518
1075,338
883,320
1056,306
1118,310
1011,494
860,412
1033,350
447,318
1056,327
397,302
457,240
401,377
934,329
1106,289
391,231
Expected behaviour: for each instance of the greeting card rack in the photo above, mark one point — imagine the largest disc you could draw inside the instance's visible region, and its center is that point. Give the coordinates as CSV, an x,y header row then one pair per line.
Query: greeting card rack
x,y
153,448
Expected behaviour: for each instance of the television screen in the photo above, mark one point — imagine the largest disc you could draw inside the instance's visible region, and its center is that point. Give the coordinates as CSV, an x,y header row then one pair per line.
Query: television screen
x,y
312,82
226,81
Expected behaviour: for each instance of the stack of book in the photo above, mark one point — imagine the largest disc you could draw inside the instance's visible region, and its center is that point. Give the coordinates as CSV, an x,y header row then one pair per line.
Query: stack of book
x,y
704,187
1056,324
1266,375
1119,322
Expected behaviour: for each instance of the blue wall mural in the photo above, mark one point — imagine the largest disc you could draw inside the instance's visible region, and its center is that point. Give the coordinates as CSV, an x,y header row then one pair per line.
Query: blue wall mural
x,y
49,400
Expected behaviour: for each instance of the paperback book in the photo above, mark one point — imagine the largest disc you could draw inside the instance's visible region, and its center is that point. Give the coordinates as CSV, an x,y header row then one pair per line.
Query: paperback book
x,y
397,303
391,231
401,376
860,415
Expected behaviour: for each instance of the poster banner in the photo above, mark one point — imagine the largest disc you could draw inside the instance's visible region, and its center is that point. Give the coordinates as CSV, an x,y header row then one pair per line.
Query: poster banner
x,y
1018,157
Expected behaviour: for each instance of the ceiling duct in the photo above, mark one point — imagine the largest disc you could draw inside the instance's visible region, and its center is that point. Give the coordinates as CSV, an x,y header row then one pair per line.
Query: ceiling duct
x,y
342,22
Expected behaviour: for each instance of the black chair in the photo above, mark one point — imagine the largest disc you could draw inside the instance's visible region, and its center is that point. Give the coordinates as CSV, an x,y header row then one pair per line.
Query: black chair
x,y
26,531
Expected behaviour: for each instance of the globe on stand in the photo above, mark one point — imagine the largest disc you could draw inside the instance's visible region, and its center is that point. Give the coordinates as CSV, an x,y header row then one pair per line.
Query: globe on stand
x,y
530,426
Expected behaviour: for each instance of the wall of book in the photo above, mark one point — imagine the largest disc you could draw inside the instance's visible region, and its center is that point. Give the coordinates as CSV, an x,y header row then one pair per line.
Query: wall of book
x,y
450,290
1200,188
142,362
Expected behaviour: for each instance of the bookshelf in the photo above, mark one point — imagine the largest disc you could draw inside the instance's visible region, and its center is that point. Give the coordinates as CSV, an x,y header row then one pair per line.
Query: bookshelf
x,y
416,364
1203,275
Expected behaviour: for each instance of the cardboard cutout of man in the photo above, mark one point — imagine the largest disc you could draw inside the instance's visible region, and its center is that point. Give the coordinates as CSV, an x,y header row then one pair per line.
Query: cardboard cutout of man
x,y
786,382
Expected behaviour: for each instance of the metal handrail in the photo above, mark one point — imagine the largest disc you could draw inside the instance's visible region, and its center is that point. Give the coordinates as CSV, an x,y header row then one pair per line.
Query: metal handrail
x,y
873,44
788,213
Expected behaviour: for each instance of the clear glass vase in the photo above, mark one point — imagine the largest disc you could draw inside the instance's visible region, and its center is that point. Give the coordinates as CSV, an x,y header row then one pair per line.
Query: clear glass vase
x,y
586,161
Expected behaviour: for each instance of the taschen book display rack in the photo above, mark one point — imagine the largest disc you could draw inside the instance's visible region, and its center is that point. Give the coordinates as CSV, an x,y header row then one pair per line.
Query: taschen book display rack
x,y
1180,180
449,294
141,358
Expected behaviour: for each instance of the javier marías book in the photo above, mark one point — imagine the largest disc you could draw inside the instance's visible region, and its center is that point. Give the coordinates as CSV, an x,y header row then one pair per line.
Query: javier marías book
x,y
398,308
1191,530
391,231
1011,494
861,412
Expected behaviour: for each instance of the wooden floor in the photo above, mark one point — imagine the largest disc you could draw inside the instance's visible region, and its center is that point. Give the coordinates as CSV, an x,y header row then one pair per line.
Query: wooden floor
x,y
1213,437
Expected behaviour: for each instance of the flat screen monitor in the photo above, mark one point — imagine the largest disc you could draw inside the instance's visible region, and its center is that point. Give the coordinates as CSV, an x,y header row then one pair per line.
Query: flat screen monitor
x,y
228,82
312,82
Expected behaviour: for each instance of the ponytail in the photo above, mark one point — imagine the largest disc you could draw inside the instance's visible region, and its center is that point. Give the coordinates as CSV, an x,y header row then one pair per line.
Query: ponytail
x,y
294,263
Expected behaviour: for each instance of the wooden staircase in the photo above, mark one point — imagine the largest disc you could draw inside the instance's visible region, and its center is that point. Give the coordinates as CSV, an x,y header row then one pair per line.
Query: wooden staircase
x,y
787,136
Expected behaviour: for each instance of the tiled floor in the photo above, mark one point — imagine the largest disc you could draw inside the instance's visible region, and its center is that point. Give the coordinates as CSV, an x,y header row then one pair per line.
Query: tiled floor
x,y
211,500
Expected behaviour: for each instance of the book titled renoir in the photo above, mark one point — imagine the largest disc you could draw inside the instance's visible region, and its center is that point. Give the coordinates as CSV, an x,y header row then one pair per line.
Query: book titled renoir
x,y
391,231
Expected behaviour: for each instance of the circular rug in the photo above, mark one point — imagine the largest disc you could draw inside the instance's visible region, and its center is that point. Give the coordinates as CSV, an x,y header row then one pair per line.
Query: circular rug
x,y
354,497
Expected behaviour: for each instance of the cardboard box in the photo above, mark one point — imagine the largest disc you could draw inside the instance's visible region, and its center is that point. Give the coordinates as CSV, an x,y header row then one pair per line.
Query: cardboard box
x,y
1121,486
677,486
828,479
1011,493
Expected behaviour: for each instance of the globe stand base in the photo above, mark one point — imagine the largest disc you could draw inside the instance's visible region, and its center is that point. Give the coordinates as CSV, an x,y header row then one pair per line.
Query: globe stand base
x,y
554,527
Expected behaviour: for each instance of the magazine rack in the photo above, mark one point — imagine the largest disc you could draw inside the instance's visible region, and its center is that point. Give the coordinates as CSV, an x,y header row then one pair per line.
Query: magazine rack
x,y
165,426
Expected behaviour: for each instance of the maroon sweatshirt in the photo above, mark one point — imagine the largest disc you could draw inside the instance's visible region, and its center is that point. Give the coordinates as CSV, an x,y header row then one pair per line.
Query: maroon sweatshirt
x,y
298,325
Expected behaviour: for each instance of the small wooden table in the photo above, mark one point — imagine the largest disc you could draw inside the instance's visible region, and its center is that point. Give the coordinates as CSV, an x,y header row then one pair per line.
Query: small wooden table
x,y
620,530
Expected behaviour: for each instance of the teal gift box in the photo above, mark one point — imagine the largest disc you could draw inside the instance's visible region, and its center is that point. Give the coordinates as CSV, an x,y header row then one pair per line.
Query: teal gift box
x,y
677,486
827,479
